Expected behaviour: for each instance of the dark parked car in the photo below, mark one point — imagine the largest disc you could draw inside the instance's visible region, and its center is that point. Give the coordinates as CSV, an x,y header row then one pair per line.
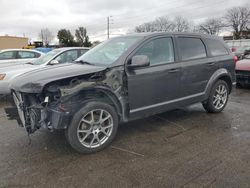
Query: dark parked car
x,y
243,71
241,51
123,79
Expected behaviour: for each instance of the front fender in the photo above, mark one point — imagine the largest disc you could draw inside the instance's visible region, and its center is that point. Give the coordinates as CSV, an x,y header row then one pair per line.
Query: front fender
x,y
97,93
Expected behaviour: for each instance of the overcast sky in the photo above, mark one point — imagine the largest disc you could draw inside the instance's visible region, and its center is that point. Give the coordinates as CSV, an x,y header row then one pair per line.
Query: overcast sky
x,y
27,17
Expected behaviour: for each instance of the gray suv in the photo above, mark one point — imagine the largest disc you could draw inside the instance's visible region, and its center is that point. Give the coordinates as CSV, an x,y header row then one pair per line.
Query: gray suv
x,y
124,79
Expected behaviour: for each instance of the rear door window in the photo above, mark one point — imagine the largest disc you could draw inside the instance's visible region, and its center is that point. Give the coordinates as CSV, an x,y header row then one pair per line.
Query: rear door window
x,y
216,47
7,55
25,55
191,48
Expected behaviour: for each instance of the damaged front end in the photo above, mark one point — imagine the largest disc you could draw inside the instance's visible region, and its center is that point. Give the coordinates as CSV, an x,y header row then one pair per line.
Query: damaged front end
x,y
34,111
55,106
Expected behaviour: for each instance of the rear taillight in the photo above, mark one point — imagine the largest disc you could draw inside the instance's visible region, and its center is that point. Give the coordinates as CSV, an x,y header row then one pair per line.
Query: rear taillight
x,y
233,49
235,59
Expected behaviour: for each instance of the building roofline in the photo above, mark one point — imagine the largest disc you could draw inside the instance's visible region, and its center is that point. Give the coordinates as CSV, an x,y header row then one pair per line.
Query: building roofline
x,y
13,37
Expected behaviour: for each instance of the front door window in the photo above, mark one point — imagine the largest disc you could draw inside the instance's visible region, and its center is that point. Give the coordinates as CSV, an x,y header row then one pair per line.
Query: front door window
x,y
158,51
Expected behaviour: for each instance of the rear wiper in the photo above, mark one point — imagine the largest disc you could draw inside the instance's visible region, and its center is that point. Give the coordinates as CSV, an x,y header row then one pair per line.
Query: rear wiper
x,y
83,62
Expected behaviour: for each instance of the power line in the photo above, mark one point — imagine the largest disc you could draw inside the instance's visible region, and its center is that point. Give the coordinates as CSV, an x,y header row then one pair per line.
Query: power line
x,y
158,5
173,10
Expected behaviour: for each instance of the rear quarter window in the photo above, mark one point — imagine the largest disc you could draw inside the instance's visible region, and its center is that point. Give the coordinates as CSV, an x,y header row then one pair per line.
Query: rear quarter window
x,y
37,54
216,47
191,48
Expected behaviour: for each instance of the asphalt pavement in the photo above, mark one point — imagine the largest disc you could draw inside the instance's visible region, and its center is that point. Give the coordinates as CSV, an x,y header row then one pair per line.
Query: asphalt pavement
x,y
182,148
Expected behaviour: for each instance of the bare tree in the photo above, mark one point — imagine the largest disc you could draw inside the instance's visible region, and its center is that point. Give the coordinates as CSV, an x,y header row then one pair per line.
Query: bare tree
x,y
181,24
46,36
146,27
238,18
82,37
161,24
211,26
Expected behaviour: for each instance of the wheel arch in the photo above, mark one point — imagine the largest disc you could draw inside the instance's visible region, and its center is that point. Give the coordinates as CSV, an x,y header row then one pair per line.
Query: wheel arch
x,y
220,74
103,94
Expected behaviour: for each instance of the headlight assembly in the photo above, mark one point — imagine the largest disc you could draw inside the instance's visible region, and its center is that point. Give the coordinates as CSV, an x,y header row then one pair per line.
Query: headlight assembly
x,y
2,76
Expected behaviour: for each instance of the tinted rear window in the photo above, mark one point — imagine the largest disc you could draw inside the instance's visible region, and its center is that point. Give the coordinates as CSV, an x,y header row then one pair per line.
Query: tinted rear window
x,y
216,47
191,48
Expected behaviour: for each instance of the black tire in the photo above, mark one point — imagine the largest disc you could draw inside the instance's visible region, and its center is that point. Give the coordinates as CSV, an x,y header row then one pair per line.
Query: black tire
x,y
208,104
238,85
72,134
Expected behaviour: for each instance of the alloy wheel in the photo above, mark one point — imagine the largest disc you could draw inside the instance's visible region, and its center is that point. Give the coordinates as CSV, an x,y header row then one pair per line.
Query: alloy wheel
x,y
220,96
95,128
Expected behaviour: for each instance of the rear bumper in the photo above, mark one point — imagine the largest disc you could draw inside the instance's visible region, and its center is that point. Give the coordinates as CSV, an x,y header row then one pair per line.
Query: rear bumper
x,y
243,78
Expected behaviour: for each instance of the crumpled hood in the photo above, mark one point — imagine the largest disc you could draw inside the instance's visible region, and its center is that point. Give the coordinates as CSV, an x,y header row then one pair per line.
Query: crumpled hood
x,y
243,65
34,81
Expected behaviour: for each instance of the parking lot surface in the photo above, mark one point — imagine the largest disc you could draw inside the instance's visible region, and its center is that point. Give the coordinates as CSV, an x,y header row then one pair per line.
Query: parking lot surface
x,y
182,148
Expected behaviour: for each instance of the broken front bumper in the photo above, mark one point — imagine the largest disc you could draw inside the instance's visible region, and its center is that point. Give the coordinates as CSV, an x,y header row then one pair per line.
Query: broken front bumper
x,y
58,119
35,116
18,99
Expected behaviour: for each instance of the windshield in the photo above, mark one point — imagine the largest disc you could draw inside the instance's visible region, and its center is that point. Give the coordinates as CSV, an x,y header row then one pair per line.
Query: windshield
x,y
108,52
45,58
247,56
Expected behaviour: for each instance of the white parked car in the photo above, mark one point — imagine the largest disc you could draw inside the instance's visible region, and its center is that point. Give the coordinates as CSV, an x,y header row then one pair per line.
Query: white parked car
x,y
18,56
54,57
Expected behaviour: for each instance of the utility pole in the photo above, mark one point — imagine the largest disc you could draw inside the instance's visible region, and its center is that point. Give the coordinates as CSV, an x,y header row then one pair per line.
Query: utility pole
x,y
108,27
109,22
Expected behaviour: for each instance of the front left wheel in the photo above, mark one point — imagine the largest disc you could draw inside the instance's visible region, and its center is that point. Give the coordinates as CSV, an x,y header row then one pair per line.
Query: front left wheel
x,y
93,127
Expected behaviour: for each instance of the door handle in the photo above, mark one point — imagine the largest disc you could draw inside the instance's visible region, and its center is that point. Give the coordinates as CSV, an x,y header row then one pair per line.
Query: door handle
x,y
211,63
173,70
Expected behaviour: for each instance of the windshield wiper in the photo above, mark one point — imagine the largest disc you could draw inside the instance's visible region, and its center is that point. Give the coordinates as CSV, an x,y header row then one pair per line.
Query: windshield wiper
x,y
30,63
83,62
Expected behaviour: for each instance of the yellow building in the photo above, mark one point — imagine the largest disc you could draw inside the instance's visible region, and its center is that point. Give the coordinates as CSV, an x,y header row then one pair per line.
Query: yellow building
x,y
7,42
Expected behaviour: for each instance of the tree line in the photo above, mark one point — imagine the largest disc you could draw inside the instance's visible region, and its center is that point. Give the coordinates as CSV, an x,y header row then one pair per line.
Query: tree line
x,y
66,38
236,19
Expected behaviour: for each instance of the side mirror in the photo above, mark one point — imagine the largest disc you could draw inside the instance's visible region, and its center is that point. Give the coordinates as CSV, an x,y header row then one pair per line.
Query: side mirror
x,y
139,61
54,62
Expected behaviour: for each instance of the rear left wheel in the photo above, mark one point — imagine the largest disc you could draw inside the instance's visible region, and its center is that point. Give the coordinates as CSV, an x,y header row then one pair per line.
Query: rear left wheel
x,y
93,127
218,97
